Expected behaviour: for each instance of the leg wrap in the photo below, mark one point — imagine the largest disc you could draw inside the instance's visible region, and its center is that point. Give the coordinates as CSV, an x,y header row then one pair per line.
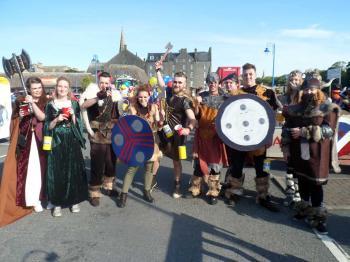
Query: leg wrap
x,y
296,196
94,191
317,216
290,189
214,185
235,186
196,183
262,187
303,209
108,183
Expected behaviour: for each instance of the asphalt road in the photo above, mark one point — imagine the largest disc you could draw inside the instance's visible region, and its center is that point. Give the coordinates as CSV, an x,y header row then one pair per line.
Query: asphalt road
x,y
169,229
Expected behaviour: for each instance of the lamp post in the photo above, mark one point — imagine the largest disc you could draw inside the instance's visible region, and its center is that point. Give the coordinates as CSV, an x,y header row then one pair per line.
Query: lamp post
x,y
267,51
95,60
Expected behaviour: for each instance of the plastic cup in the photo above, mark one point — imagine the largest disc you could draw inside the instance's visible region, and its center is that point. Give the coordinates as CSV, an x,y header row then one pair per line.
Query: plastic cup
x,y
66,111
25,108
179,129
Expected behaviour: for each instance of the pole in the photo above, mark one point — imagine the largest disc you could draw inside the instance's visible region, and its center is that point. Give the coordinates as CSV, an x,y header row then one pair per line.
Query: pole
x,y
273,65
95,59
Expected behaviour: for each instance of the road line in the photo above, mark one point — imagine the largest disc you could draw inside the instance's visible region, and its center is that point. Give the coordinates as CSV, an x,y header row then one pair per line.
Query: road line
x,y
337,251
3,156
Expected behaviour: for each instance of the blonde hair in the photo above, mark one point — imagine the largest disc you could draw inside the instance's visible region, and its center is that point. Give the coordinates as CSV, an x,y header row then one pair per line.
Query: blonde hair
x,y
62,78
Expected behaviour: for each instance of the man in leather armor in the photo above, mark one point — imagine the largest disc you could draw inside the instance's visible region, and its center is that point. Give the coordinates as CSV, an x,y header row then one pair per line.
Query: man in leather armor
x,y
306,140
103,113
179,111
235,176
208,163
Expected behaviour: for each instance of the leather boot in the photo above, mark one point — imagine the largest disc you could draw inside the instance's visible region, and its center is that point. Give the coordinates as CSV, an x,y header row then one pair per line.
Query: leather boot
x,y
122,200
147,196
263,197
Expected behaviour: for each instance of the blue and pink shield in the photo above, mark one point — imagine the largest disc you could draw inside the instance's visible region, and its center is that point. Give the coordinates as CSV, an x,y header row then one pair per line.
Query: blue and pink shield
x,y
132,140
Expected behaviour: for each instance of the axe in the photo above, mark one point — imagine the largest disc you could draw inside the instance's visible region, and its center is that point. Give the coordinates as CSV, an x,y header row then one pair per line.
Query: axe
x,y
168,48
17,64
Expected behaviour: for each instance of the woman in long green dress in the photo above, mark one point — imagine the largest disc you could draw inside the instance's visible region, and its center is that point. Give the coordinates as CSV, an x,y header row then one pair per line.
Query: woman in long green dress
x,y
66,177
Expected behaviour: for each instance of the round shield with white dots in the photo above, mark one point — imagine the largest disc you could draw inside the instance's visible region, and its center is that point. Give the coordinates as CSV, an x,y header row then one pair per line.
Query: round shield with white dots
x,y
132,140
245,122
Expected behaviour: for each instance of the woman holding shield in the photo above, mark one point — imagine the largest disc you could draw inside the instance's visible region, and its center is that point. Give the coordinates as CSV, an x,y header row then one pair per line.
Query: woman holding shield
x,y
151,114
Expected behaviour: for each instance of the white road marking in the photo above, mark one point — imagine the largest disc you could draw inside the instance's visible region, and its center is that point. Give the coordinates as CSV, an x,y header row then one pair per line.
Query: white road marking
x,y
3,156
337,251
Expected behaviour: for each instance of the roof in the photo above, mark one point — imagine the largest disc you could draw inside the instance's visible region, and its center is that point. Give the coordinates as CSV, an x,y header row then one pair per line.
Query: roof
x,y
49,78
197,56
125,57
131,70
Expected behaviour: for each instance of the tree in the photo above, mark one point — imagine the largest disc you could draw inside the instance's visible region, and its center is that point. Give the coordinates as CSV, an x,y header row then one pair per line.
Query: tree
x,y
86,81
339,64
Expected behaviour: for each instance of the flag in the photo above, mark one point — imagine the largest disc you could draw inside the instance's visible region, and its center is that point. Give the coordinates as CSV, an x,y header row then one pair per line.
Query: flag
x,y
343,141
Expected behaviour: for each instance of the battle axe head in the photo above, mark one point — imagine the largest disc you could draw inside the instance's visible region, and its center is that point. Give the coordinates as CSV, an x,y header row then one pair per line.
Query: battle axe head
x,y
16,64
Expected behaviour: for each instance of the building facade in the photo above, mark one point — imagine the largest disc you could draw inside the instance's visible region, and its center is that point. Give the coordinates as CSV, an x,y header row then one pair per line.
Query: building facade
x,y
196,65
123,63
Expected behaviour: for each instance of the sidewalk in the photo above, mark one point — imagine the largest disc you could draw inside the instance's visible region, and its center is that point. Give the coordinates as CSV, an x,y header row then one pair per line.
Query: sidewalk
x,y
337,190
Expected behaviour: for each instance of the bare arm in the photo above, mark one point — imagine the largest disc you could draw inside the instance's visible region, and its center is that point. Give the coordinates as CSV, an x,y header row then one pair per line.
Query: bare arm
x,y
89,102
158,66
191,122
58,119
40,115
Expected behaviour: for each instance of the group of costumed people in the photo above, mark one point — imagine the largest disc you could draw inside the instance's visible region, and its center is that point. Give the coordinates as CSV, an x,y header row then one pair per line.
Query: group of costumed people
x,y
308,130
30,174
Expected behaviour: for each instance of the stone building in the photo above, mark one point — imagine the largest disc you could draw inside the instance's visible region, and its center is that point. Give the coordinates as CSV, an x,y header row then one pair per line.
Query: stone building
x,y
123,63
195,64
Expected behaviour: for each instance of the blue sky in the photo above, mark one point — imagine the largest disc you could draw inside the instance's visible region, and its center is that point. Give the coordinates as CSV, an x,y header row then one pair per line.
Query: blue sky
x,y
307,34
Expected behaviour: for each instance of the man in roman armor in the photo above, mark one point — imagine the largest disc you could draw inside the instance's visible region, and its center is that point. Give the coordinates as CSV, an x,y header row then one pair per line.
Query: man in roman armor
x,y
178,112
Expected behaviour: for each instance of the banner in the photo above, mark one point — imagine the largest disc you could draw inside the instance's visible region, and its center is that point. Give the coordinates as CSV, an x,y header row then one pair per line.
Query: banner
x,y
5,108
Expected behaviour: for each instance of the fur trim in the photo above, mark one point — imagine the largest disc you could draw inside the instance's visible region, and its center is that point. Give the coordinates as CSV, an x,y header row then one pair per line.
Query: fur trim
x,y
89,93
262,187
214,185
94,191
108,183
235,186
196,183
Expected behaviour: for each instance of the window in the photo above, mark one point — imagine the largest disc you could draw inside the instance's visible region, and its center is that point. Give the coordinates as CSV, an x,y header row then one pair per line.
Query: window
x,y
191,83
174,68
184,67
191,66
204,74
150,68
191,74
204,67
151,57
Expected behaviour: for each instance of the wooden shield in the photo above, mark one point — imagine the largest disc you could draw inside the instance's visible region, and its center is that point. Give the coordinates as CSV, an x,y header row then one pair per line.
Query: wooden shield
x,y
132,140
245,122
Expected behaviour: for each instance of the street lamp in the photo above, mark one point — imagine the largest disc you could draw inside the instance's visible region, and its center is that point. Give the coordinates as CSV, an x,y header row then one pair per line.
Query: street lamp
x,y
267,51
95,60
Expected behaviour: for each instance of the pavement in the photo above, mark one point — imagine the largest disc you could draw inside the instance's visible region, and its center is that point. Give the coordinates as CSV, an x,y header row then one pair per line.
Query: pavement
x,y
173,229
336,191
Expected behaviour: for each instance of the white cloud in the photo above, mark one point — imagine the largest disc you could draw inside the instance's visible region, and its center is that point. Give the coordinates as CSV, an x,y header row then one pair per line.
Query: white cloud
x,y
312,31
